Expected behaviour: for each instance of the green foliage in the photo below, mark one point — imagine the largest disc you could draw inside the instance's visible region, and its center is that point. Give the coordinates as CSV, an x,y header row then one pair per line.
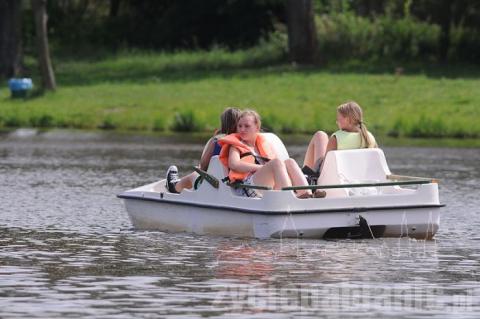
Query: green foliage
x,y
426,29
428,127
399,128
143,66
271,123
42,120
81,119
159,124
107,124
186,121
393,30
269,51
292,126
464,44
12,121
165,24
347,36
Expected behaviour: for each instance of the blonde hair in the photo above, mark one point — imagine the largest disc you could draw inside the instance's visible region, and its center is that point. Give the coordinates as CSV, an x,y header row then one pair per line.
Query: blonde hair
x,y
229,119
254,114
353,112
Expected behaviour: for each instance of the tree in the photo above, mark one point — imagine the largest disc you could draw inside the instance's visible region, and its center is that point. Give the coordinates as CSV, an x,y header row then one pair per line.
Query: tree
x,y
44,61
450,16
114,7
302,36
10,38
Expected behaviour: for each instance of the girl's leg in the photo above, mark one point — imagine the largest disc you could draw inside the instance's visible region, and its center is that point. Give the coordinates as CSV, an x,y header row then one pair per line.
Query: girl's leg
x,y
296,175
316,150
273,174
186,182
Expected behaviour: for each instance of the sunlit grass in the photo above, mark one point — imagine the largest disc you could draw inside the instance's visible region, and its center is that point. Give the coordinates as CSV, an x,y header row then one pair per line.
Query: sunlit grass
x,y
147,92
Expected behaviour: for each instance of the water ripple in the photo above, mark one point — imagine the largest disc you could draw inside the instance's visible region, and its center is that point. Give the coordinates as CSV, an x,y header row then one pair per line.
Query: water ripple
x,y
68,249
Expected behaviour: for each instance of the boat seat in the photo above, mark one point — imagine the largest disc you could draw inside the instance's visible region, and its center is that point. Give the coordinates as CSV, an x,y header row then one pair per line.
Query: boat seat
x,y
353,166
277,145
216,168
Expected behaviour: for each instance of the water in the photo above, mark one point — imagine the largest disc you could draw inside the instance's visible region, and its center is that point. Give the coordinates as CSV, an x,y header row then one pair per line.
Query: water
x,y
67,248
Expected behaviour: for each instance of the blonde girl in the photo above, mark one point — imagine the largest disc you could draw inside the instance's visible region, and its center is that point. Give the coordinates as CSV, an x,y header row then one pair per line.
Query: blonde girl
x,y
251,160
352,134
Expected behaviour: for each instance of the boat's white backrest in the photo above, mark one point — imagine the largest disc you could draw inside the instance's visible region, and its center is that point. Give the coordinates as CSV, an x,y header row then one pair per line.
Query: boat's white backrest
x,y
353,166
277,145
216,168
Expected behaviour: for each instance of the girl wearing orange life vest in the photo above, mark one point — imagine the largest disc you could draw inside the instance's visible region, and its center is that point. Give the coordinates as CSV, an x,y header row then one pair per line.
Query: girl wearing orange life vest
x,y
251,160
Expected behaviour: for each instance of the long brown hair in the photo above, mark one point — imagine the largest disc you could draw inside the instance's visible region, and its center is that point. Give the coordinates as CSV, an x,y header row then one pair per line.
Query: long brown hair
x,y
353,112
229,119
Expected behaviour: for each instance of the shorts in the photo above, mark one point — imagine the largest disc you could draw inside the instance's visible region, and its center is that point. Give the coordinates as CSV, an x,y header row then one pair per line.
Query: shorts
x,y
248,192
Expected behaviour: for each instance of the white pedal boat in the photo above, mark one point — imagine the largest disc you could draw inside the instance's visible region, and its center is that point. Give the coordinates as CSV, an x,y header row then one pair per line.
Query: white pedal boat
x,y
364,200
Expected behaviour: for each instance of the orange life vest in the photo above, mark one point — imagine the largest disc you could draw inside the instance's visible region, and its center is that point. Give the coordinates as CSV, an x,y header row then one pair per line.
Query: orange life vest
x,y
233,140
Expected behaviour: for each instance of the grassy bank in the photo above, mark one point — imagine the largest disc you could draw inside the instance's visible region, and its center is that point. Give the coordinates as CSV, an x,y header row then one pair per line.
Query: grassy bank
x,y
187,91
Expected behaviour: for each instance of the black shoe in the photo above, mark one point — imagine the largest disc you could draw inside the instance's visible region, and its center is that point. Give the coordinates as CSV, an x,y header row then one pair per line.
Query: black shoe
x,y
312,179
172,179
308,171
310,175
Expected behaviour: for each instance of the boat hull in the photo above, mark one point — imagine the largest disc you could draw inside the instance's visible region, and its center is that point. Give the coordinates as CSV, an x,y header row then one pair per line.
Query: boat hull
x,y
346,212
420,222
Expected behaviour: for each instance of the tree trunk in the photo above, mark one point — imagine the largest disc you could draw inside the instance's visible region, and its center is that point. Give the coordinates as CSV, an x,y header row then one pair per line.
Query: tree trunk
x,y
445,25
114,6
46,70
302,36
10,38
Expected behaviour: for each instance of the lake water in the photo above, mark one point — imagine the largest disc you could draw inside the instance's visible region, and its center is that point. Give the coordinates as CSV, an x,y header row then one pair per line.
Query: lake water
x,y
67,248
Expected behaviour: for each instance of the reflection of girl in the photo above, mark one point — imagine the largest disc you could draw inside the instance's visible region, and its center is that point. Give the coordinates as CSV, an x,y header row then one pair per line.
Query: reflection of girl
x,y
228,121
243,261
250,159
352,134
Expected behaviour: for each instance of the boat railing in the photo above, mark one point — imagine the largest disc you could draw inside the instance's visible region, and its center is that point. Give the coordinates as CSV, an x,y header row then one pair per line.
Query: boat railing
x,y
418,181
397,180
240,185
400,180
410,178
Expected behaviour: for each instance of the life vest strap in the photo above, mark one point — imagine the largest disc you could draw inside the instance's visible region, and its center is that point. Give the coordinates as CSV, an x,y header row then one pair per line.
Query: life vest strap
x,y
257,157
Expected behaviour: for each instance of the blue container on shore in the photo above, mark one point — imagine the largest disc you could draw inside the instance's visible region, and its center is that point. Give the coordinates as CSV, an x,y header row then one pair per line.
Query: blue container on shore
x,y
20,87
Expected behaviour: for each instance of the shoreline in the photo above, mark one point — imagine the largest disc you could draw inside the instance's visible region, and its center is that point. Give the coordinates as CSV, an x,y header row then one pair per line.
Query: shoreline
x,y
201,137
